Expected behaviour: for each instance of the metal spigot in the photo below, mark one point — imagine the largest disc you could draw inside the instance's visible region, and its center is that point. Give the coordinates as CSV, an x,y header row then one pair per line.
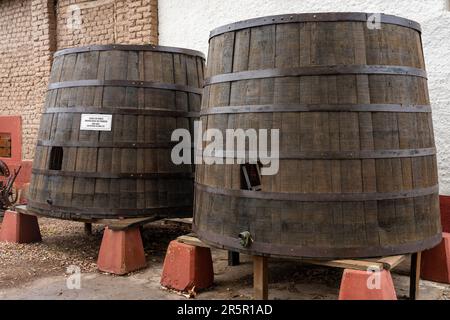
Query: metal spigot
x,y
246,239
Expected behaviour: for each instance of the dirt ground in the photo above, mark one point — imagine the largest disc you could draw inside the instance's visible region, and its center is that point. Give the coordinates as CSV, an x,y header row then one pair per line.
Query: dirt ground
x,y
38,271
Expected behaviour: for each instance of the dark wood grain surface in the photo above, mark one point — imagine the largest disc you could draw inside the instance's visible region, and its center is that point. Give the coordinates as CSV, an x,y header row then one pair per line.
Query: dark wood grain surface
x,y
403,218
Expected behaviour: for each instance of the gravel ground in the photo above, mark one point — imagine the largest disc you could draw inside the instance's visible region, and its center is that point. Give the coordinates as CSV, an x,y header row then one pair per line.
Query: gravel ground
x,y
64,244
35,271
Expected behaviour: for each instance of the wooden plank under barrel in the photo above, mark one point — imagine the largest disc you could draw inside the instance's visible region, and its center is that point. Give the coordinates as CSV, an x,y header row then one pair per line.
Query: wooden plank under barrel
x,y
126,171
358,174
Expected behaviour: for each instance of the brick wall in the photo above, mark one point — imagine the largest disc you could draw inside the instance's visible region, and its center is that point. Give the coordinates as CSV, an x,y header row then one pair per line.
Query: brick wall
x,y
16,62
31,30
43,31
106,21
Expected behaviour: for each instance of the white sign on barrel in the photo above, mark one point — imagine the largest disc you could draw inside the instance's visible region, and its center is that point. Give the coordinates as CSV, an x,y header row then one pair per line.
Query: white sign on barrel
x,y
96,122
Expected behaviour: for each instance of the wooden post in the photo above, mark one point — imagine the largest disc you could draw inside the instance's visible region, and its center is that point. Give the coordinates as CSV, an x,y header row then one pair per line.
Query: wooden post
x,y
260,278
414,276
233,258
88,228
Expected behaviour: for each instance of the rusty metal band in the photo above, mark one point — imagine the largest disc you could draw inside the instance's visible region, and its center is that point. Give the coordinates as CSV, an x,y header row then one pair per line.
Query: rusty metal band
x,y
124,83
104,211
125,111
129,48
289,251
316,108
314,17
105,144
122,175
329,155
316,71
319,197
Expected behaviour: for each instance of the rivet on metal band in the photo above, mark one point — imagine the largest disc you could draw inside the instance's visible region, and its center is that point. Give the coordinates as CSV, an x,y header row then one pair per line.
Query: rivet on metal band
x,y
124,111
314,17
122,175
326,155
104,144
124,47
124,83
316,108
316,71
319,197
107,212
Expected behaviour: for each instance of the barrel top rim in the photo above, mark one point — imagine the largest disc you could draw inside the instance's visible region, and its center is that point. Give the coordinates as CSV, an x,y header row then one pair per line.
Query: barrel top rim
x,y
128,47
313,17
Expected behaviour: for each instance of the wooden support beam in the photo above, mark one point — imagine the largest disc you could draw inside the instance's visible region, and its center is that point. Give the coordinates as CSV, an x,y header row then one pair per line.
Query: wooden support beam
x,y
233,258
384,263
363,265
260,278
113,224
391,262
128,223
179,221
192,240
23,210
414,276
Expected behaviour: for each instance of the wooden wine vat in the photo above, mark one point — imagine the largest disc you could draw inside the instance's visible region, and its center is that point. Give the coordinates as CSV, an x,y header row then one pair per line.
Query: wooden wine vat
x,y
104,143
357,174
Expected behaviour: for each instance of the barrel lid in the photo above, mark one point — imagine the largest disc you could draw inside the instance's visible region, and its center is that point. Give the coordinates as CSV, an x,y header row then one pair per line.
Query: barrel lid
x,y
314,17
125,47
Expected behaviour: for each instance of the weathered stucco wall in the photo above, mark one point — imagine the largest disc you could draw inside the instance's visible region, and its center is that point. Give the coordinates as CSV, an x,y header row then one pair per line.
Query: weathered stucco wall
x,y
187,24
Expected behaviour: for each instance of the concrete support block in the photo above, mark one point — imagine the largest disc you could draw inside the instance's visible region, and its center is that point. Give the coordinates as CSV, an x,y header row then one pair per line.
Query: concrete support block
x,y
186,267
20,228
436,261
365,285
121,251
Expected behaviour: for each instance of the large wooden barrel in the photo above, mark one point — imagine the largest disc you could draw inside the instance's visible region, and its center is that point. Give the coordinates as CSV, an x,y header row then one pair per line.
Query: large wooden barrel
x,y
357,175
104,143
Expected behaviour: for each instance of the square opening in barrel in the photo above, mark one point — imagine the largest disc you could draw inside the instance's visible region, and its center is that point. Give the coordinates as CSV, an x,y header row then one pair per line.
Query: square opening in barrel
x,y
251,176
56,158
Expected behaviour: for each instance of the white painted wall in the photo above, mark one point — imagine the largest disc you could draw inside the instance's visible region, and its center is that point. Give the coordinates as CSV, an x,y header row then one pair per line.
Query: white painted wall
x,y
187,23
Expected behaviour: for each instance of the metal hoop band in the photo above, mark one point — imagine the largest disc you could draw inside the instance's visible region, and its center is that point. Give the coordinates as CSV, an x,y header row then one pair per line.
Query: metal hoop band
x,y
123,83
129,48
314,17
319,197
316,71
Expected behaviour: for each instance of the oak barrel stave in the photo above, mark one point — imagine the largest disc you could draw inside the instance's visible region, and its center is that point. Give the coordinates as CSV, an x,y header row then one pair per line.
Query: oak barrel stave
x,y
150,91
405,220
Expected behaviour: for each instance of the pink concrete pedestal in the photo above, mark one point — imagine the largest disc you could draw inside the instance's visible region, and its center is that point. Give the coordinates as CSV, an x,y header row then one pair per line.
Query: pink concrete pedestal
x,y
19,228
121,251
436,261
357,285
186,267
